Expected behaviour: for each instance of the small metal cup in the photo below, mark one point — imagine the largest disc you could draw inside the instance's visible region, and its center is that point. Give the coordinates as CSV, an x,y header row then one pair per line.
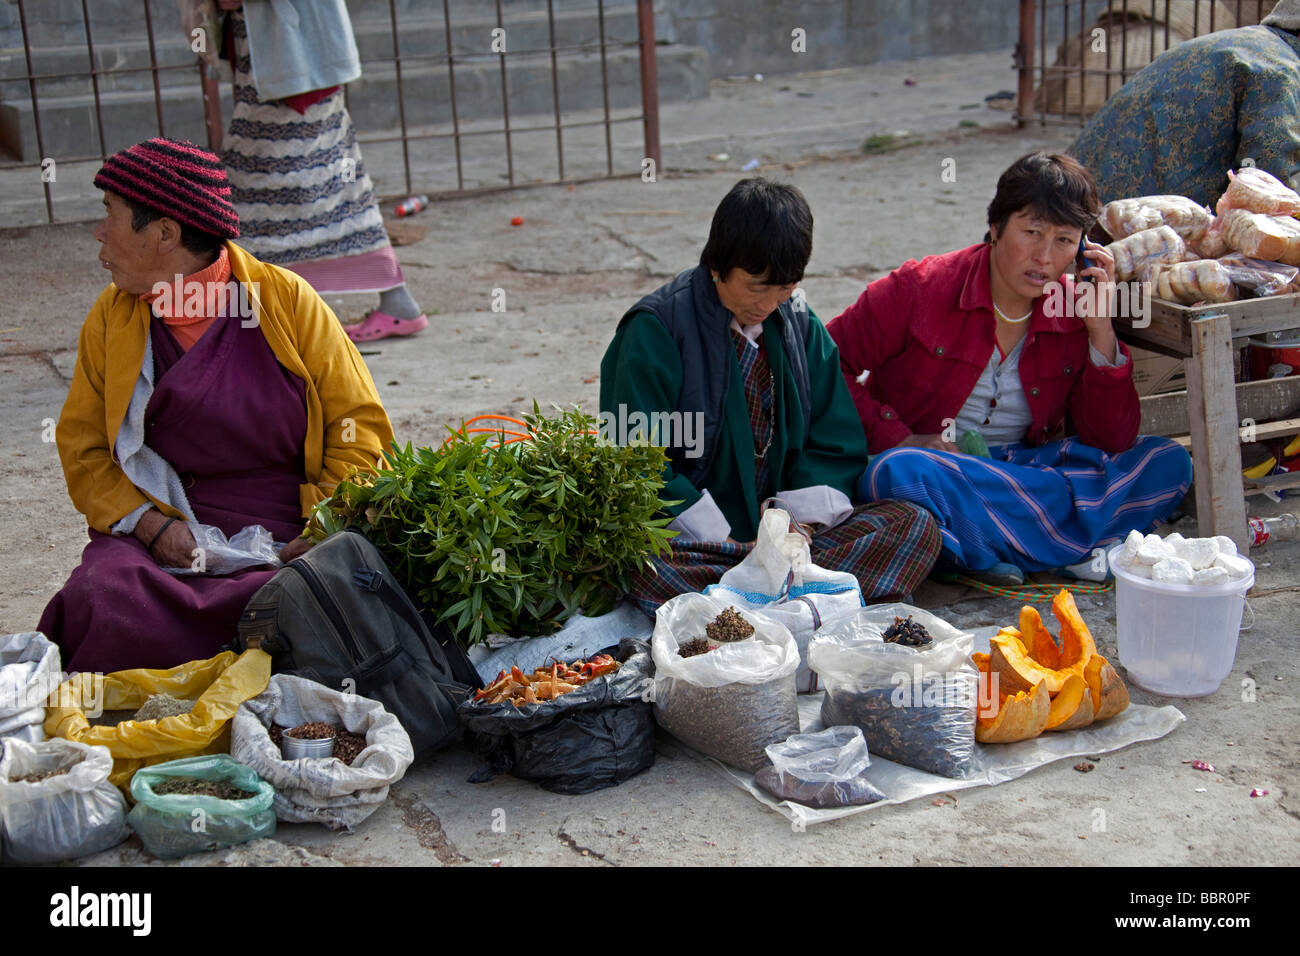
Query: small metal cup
x,y
295,748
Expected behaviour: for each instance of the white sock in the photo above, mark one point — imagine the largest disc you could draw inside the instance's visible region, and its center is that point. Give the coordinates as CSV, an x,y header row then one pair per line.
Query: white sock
x,y
1088,570
398,303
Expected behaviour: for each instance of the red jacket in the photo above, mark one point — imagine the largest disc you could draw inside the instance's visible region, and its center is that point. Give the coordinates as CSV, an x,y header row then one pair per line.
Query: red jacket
x,y
925,333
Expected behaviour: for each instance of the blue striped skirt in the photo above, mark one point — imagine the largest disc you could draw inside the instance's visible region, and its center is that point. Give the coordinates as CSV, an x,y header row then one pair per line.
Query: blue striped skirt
x,y
1035,507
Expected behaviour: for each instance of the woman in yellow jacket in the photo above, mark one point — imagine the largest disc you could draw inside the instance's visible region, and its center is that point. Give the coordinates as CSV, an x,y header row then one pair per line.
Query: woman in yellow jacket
x,y
210,388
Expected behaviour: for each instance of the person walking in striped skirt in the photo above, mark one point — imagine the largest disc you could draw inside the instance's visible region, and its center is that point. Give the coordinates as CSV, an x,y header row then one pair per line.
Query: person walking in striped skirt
x,y
964,366
295,169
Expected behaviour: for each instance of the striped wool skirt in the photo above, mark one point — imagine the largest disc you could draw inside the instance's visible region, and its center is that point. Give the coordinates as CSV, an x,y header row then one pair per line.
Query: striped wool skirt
x,y
1038,508
301,189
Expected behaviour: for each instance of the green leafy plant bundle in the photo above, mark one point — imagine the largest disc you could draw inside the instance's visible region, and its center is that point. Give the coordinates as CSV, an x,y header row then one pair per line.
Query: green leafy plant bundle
x,y
510,538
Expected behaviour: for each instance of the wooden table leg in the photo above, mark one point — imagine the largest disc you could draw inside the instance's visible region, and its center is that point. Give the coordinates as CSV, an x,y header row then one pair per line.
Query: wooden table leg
x,y
1212,413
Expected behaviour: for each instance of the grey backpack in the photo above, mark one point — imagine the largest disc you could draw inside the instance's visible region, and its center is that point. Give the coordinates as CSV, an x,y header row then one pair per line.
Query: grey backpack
x,y
336,615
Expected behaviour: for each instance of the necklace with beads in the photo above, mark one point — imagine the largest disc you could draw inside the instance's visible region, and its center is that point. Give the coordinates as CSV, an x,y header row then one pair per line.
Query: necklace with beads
x,y
1007,318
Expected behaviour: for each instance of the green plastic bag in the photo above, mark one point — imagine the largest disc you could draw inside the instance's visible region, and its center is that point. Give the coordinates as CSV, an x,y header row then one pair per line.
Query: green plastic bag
x,y
973,443
173,825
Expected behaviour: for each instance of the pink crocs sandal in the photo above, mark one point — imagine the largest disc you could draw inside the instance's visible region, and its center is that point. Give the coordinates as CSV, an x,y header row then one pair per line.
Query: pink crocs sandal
x,y
381,325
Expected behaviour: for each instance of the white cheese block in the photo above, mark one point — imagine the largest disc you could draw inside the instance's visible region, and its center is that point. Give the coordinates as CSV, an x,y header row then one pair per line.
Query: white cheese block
x,y
1130,549
1172,571
1210,576
1199,552
1234,564
1153,550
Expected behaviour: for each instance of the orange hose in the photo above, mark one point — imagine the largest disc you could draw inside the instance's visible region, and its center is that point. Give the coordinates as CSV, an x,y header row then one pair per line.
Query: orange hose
x,y
517,435
499,418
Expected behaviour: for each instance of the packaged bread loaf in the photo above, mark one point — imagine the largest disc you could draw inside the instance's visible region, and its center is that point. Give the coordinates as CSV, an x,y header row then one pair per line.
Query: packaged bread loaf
x,y
1274,238
1123,217
1258,277
1254,190
1210,245
1202,280
1161,244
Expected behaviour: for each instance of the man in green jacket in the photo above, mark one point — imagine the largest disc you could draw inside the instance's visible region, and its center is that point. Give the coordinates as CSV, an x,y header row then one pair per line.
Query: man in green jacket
x,y
740,382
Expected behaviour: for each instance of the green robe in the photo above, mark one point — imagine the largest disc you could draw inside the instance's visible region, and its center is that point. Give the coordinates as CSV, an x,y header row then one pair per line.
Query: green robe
x,y
642,370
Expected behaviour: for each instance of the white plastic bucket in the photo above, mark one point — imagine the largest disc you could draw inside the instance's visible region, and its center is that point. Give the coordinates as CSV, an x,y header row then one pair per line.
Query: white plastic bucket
x,y
1178,640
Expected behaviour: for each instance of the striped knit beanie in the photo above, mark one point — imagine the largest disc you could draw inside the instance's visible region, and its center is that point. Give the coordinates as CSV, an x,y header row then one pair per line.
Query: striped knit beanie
x,y
177,179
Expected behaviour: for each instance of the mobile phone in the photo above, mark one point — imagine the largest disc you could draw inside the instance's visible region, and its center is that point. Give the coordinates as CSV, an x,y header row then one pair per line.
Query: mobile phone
x,y
1081,262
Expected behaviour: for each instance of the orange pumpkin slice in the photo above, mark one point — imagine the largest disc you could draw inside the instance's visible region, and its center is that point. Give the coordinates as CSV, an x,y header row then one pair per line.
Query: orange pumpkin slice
x,y
1037,640
1016,670
1077,645
1072,706
1019,716
1109,695
1025,656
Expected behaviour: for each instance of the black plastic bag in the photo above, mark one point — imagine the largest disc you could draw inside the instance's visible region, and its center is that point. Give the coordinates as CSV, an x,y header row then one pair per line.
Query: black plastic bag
x,y
594,737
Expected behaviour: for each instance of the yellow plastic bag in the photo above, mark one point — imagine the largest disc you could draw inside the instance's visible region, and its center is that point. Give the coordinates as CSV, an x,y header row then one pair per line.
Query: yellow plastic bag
x,y
217,686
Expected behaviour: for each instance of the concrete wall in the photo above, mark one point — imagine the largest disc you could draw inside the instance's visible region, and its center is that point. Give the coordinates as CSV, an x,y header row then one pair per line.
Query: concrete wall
x,y
743,36
754,36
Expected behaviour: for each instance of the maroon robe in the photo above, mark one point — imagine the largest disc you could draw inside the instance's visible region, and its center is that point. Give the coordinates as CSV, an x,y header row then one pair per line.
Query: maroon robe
x,y
231,420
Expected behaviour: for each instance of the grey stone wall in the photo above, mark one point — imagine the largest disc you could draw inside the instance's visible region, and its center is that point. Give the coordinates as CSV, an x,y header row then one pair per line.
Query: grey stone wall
x,y
755,36
742,36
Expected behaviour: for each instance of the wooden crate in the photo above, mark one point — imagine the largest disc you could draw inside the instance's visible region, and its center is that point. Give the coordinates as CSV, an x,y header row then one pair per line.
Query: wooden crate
x,y
1170,330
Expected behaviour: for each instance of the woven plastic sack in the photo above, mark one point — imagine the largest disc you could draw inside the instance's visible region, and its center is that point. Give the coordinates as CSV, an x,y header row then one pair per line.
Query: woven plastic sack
x,y
915,705
61,817
778,578
175,825
323,790
217,686
29,673
733,701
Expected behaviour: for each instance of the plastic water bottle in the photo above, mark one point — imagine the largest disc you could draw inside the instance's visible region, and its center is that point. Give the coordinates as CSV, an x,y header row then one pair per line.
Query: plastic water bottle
x,y
409,207
1283,527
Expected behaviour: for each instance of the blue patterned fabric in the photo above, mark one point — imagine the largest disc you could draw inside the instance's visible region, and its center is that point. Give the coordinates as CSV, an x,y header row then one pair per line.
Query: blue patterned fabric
x,y
1037,508
1199,109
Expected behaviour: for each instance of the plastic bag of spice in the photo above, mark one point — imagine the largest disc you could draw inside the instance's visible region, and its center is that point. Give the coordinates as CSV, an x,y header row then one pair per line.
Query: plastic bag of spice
x,y
825,769
29,673
177,824
56,802
733,700
217,686
778,578
592,737
915,704
329,790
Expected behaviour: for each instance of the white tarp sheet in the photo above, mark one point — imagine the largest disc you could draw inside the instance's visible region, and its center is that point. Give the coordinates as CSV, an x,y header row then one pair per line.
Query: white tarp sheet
x,y
997,763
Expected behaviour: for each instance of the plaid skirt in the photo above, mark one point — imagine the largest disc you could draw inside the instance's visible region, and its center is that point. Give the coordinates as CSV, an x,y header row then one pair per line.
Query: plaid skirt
x,y
889,546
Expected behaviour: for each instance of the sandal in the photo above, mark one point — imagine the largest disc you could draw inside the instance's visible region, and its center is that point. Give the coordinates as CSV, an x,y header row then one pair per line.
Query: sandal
x,y
381,325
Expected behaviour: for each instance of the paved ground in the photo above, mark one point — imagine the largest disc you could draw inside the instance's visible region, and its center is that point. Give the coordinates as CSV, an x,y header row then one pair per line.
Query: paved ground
x,y
582,256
